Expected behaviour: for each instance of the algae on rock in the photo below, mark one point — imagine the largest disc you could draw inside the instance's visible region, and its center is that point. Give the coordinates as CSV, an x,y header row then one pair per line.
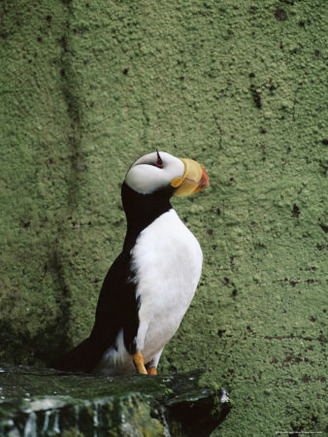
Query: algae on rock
x,y
88,86
48,403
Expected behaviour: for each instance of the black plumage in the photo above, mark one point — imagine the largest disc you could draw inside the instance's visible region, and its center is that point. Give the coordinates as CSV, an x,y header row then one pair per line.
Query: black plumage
x,y
150,285
118,306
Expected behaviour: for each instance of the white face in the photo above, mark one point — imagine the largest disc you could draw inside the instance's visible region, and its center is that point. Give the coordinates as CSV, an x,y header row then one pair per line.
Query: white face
x,y
149,174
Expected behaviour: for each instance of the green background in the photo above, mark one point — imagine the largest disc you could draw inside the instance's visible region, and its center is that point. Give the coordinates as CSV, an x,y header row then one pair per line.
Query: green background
x,y
241,86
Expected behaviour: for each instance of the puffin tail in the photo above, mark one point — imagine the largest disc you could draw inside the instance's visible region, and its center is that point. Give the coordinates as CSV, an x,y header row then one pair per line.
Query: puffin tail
x,y
83,358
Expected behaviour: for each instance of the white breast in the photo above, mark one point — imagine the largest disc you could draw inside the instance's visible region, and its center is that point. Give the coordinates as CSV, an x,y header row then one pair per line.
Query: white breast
x,y
167,260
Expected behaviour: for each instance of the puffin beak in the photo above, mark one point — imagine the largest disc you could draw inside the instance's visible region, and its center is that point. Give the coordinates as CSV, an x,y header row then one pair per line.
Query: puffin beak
x,y
194,179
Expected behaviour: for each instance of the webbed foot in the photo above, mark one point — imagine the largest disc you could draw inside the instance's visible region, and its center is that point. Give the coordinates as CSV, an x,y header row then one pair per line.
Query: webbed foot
x,y
139,362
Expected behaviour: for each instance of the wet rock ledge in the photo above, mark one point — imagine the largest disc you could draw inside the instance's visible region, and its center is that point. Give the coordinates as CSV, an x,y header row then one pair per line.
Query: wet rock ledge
x,y
44,402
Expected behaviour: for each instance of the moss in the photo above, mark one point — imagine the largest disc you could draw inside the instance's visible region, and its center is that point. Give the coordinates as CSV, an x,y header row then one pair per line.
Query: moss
x,y
85,89
55,403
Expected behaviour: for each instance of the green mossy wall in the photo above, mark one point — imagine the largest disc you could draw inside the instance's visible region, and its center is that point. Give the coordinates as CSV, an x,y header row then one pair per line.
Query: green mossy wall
x,y
88,86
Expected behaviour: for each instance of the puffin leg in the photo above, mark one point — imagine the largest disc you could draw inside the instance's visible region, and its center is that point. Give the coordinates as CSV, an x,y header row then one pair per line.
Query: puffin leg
x,y
153,363
139,362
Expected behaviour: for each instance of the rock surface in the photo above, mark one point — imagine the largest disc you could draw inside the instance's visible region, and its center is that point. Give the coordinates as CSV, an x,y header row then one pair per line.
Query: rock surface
x,y
49,403
88,86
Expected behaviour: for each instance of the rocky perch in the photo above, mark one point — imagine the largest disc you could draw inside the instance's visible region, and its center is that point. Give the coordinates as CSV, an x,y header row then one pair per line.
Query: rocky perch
x,y
43,402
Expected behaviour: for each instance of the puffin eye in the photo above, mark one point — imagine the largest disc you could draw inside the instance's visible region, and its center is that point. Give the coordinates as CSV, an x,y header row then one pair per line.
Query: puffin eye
x,y
159,162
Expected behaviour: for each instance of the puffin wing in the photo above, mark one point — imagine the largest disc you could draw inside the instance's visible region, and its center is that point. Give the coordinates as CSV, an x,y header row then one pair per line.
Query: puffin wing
x,y
117,310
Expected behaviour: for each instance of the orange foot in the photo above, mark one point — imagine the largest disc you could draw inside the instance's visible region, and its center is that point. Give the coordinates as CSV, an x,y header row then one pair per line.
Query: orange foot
x,y
139,362
152,371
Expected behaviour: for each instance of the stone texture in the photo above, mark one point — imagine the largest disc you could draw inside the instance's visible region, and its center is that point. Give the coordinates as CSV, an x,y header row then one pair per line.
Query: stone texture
x,y
48,403
86,87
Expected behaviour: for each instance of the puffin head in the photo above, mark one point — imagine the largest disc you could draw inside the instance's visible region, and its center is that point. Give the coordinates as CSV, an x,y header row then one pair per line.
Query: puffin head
x,y
159,171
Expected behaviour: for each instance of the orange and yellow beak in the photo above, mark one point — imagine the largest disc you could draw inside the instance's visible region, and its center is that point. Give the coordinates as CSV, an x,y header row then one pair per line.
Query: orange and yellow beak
x,y
194,179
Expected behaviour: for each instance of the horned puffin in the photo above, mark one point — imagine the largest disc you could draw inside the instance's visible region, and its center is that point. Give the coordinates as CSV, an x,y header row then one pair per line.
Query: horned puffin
x,y
150,285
